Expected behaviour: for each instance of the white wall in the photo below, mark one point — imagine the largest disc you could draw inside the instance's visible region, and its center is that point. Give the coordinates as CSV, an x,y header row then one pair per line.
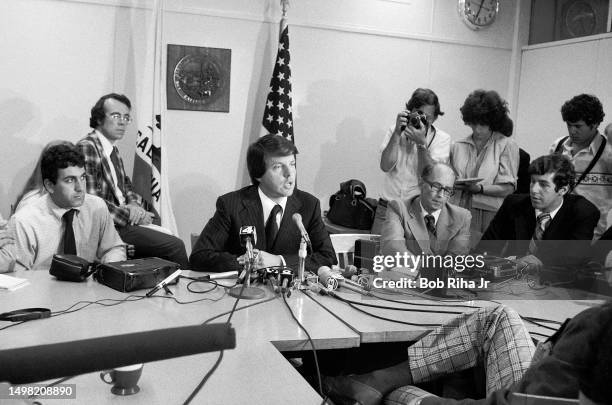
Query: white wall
x,y
354,63
552,74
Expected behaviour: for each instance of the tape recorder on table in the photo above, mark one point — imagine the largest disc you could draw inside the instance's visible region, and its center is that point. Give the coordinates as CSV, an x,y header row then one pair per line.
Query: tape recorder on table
x,y
496,268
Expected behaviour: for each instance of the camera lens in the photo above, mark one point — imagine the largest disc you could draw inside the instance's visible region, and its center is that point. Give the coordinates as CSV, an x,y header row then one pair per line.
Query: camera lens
x,y
415,121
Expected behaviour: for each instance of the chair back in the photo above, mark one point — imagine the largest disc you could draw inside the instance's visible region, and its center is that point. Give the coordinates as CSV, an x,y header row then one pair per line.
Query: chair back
x,y
344,245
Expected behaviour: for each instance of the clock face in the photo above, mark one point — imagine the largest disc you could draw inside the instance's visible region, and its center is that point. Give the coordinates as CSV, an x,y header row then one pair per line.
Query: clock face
x,y
580,19
478,14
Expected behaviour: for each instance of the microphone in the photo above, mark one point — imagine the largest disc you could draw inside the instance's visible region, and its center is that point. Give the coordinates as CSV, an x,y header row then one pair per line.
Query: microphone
x,y
328,278
248,238
248,235
286,277
301,262
164,283
218,276
297,218
39,363
334,280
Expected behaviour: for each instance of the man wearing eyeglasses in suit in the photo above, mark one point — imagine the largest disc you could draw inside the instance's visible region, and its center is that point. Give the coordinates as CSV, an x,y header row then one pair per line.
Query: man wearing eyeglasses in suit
x,y
106,178
427,224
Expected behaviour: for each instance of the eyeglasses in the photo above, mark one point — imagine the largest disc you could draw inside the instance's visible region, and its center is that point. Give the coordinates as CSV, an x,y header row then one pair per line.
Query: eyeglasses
x,y
118,117
437,187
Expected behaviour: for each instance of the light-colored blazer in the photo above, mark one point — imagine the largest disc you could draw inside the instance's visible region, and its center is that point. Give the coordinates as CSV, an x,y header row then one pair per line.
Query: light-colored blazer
x,y
404,230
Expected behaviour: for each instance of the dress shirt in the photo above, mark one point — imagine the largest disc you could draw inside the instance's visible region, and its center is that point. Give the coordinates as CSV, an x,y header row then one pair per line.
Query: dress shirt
x,y
267,205
107,148
39,229
551,213
435,214
402,181
497,163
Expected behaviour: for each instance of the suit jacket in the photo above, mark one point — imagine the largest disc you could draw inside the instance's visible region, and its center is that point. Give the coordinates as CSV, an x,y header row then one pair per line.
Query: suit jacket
x,y
404,230
219,244
515,224
100,181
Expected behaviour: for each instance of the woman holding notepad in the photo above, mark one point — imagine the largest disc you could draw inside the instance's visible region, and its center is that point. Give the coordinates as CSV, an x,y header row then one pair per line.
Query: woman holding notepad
x,y
486,161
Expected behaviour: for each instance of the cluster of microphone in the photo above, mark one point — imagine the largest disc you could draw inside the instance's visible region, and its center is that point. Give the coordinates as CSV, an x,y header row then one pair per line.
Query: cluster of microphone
x,y
283,280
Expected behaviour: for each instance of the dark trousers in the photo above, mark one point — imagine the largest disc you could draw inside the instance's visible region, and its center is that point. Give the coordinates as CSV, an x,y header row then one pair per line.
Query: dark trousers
x,y
150,243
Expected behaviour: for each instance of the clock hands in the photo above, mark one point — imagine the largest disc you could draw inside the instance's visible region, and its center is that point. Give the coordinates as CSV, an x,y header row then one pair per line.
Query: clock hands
x,y
479,9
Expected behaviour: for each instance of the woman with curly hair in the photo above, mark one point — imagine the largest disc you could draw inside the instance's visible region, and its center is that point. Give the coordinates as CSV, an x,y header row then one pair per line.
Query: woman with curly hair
x,y
486,154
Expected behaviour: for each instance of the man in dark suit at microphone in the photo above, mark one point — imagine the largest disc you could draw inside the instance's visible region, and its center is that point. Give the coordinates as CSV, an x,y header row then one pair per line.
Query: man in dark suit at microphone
x,y
269,204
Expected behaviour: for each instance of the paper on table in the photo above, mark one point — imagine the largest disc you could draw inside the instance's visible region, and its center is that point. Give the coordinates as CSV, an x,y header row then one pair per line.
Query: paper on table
x,y
10,283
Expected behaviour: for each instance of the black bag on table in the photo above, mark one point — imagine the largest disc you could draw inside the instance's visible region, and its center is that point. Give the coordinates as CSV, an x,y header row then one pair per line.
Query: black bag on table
x,y
70,268
134,274
349,206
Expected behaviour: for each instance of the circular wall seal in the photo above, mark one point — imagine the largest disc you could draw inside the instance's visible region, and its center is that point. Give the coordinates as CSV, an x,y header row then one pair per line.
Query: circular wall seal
x,y
198,79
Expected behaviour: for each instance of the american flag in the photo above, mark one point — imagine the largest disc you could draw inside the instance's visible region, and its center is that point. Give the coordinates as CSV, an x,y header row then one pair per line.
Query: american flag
x,y
278,117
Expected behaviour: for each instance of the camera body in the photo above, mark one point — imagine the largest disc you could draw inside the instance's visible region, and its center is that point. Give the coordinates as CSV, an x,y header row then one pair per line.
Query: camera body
x,y
416,119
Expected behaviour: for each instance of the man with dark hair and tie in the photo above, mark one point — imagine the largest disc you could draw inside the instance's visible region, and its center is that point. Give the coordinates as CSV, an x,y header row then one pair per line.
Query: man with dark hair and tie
x,y
548,226
66,219
106,178
427,224
269,205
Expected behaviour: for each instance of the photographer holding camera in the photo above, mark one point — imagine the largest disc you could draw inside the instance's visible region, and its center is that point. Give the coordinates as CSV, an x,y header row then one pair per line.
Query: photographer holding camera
x,y
408,147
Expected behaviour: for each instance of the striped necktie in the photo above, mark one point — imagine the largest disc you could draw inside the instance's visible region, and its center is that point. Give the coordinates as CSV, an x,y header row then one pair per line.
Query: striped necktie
x,y
115,160
430,222
542,222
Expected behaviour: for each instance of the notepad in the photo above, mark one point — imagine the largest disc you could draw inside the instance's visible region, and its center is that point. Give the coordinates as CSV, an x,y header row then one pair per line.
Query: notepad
x,y
10,283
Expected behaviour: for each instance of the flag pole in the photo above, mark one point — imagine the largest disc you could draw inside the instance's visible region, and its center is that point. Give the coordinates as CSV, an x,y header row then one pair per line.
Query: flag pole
x,y
284,5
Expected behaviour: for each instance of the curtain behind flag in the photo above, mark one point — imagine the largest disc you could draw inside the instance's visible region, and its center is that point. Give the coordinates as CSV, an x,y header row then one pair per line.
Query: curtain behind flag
x,y
150,168
278,118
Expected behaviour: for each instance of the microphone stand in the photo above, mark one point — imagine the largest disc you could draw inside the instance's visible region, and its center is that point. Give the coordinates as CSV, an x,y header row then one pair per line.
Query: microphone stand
x,y
245,290
300,282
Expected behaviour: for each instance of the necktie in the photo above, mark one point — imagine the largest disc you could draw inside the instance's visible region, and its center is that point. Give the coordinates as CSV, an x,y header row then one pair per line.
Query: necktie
x,y
117,165
69,242
272,226
430,221
543,221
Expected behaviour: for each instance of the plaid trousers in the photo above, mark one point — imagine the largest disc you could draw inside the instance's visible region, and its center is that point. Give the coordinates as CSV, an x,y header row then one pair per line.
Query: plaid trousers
x,y
494,336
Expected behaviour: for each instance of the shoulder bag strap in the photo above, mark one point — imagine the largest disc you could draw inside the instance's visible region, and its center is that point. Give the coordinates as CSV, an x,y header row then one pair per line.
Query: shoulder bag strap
x,y
592,164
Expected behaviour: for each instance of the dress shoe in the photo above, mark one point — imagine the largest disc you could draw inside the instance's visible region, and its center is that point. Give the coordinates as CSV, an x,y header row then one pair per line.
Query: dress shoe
x,y
345,390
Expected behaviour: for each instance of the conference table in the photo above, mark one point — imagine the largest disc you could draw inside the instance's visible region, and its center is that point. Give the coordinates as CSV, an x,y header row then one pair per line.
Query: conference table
x,y
550,303
255,372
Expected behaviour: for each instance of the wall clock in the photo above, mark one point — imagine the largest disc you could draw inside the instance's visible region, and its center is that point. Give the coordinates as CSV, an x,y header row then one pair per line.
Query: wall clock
x,y
580,18
478,14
